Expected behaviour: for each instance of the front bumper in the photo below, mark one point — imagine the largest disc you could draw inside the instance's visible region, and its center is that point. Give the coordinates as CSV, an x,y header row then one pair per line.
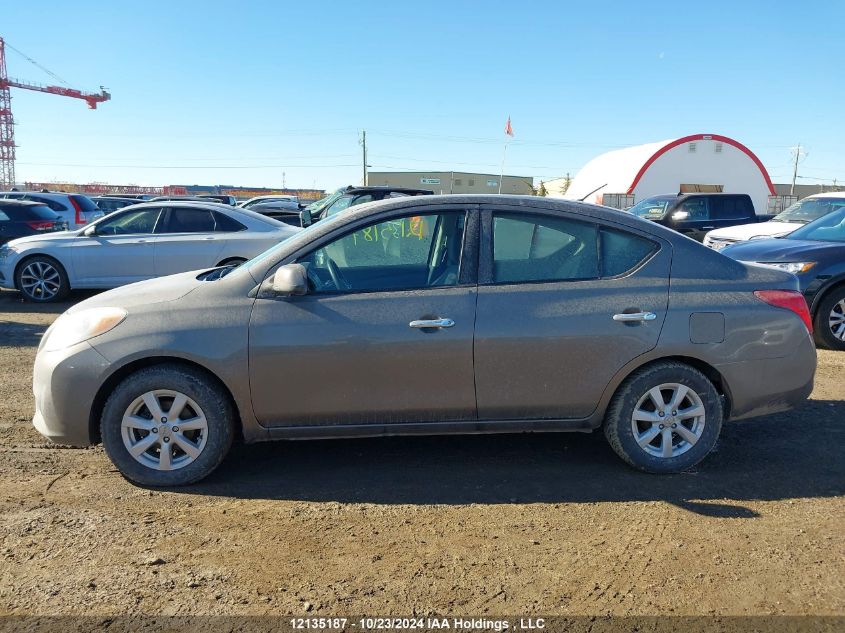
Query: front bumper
x,y
65,383
7,274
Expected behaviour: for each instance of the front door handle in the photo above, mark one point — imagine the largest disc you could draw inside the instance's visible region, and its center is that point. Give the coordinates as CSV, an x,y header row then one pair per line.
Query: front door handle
x,y
627,317
432,323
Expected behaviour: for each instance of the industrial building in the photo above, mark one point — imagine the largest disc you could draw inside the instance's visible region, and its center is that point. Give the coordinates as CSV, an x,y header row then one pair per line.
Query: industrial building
x,y
700,162
452,181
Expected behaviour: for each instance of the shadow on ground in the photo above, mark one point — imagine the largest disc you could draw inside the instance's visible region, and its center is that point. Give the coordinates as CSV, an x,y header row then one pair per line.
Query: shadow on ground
x,y
790,455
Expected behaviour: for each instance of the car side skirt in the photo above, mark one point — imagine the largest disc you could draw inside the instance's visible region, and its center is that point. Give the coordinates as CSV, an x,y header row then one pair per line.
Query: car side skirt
x,y
471,427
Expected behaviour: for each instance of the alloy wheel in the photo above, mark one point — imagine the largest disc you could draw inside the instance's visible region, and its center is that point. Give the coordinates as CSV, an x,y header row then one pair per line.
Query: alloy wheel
x,y
40,280
668,420
164,430
836,320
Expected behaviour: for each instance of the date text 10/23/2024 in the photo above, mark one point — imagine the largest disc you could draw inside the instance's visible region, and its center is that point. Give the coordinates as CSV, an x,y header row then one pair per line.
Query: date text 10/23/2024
x,y
415,623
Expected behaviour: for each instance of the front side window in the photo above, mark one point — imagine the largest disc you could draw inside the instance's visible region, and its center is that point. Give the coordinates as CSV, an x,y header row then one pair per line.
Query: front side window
x,y
130,222
421,251
541,248
693,210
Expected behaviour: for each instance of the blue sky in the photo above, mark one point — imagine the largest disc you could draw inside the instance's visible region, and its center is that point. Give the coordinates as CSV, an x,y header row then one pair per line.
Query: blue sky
x,y
240,93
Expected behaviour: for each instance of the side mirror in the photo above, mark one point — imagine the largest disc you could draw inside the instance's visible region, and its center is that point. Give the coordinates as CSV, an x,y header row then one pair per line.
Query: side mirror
x,y
305,217
89,231
290,280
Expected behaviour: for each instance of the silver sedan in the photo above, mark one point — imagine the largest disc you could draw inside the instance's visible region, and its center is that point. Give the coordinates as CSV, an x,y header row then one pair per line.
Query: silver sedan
x,y
136,243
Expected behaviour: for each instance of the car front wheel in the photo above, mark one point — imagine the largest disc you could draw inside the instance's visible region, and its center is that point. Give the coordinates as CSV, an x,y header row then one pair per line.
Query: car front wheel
x,y
42,279
167,425
830,320
665,418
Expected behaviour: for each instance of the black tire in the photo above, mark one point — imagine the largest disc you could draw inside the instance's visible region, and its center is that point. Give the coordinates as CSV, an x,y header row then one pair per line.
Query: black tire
x,y
618,424
232,261
199,388
822,331
34,294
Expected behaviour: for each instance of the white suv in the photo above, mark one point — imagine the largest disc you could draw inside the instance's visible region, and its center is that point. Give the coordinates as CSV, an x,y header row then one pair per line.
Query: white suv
x,y
74,209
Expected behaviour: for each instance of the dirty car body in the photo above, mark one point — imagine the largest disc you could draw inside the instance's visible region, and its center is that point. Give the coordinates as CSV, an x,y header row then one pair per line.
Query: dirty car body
x,y
429,315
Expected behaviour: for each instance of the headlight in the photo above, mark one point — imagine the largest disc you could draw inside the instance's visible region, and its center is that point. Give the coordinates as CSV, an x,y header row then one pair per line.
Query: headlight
x,y
70,329
790,267
6,250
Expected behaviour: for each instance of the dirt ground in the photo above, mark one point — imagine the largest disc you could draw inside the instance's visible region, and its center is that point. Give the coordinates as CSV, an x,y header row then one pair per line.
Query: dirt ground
x,y
495,525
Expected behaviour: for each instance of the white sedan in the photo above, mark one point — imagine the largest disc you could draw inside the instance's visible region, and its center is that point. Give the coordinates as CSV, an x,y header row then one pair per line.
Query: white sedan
x,y
139,242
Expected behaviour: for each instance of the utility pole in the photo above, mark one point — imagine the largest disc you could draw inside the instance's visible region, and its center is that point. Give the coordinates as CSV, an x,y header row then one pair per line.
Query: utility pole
x,y
795,169
364,147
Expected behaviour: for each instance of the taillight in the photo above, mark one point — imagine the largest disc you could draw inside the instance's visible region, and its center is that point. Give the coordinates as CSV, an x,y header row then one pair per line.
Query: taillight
x,y
80,219
41,225
789,300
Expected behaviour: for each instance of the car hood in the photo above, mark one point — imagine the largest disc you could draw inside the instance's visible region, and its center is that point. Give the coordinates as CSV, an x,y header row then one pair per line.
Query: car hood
x,y
749,231
151,291
783,250
48,237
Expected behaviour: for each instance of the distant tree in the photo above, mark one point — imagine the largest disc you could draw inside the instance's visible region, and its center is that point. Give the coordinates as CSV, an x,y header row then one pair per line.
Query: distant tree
x,y
566,182
542,191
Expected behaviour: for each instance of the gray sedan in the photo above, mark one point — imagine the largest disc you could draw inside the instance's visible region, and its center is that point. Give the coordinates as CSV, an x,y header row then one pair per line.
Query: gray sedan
x,y
432,315
139,242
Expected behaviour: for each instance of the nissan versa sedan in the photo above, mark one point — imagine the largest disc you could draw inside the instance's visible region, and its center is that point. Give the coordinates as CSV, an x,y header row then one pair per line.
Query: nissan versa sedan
x,y
431,315
143,241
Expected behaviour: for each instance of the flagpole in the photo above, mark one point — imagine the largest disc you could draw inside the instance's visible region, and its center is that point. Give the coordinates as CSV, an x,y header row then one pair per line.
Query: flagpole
x,y
502,171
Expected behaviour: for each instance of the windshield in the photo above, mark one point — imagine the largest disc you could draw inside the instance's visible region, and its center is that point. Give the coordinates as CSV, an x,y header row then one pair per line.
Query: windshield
x,y
828,228
322,203
652,208
809,209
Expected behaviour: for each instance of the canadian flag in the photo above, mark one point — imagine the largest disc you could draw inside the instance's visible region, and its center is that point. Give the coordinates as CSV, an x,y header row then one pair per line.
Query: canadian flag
x,y
508,128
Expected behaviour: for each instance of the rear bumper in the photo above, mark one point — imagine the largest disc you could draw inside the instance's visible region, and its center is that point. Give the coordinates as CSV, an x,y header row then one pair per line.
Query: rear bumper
x,y
766,386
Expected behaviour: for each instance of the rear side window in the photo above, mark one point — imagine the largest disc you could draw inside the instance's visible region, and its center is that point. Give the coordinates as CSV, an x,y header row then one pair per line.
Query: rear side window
x,y
730,208
223,223
539,248
29,213
55,205
184,220
622,252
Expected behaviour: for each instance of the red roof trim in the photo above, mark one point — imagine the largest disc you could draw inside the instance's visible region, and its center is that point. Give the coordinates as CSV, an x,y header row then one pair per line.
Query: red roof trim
x,y
701,137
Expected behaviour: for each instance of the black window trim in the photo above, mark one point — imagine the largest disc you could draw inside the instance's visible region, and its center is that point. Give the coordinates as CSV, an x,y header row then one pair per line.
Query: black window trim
x,y
467,268
485,256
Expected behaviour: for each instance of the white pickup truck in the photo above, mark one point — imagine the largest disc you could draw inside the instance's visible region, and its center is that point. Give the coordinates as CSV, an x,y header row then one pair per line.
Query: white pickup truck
x,y
802,212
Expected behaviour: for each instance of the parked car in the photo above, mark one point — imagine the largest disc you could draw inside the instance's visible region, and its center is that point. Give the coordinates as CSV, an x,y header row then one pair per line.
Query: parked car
x,y
431,315
136,196
73,208
694,214
107,204
352,196
140,242
19,218
815,254
283,201
793,217
182,199
213,197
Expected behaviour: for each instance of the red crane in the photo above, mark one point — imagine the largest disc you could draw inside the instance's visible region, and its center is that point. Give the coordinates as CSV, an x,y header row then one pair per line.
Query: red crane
x,y
7,123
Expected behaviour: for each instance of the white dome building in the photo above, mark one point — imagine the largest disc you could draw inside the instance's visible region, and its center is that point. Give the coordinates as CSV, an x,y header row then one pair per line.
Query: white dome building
x,y
700,162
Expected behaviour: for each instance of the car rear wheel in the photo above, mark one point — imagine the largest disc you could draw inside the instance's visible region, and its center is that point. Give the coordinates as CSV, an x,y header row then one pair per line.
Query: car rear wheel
x,y
664,418
167,426
829,327
42,279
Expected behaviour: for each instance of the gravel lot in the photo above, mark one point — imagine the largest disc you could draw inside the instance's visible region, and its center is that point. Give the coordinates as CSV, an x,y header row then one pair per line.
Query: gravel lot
x,y
526,524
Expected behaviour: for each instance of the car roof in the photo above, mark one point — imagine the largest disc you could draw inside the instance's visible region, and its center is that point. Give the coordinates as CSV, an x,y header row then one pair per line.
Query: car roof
x,y
387,189
827,194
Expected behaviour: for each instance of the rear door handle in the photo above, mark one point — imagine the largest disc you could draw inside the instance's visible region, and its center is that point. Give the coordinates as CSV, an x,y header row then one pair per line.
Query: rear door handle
x,y
432,323
707,228
635,316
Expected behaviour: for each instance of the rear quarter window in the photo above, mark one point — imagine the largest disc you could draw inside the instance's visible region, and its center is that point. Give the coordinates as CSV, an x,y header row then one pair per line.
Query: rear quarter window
x,y
225,224
622,252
